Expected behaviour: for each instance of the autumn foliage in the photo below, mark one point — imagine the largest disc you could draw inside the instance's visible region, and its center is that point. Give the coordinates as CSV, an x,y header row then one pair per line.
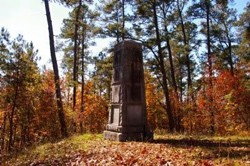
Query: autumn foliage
x,y
95,114
228,99
156,116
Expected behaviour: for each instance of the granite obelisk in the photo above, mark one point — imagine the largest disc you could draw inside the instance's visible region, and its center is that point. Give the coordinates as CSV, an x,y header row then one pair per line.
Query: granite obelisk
x,y
127,115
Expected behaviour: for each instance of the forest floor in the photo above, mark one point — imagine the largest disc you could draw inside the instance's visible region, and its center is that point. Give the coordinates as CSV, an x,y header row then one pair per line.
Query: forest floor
x,y
168,150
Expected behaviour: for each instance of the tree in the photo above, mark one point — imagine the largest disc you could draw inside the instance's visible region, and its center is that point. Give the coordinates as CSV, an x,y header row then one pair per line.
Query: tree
x,y
102,74
223,32
46,109
243,26
156,114
163,70
229,102
76,56
75,67
56,73
95,116
114,18
147,12
188,35
19,82
203,10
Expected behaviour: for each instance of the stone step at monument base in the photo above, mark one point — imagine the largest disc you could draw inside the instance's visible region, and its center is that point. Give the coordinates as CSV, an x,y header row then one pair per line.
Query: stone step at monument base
x,y
125,129
121,137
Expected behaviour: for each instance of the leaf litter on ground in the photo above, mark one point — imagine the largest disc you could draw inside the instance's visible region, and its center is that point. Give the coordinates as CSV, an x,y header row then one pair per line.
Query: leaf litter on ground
x,y
93,150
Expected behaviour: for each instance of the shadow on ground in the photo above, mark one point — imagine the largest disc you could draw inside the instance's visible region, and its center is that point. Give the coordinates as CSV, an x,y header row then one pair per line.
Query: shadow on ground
x,y
203,143
212,149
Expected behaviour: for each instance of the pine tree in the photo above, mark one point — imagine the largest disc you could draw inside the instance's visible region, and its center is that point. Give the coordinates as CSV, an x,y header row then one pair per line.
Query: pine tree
x,y
223,32
19,82
76,55
102,74
150,34
114,18
56,72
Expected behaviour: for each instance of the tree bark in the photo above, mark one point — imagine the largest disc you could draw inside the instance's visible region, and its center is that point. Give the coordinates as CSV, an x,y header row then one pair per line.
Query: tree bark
x,y
12,113
230,54
176,110
210,63
117,21
3,131
163,71
170,55
75,67
123,20
56,73
185,41
82,85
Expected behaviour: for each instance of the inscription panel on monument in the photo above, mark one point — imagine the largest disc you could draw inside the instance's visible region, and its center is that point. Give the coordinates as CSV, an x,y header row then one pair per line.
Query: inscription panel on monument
x,y
136,67
134,114
115,116
116,94
134,93
117,58
116,65
116,74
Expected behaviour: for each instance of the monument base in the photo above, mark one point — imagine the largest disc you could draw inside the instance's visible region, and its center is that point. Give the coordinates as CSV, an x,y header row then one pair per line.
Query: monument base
x,y
121,137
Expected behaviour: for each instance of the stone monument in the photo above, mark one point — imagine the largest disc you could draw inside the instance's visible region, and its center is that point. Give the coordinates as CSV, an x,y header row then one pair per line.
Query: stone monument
x,y
127,116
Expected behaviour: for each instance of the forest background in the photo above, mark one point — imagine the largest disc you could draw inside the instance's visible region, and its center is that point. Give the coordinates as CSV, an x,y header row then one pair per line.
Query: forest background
x,y
196,62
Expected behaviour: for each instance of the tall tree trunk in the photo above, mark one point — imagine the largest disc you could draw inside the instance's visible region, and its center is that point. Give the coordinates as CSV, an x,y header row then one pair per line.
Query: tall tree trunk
x,y
172,67
11,128
28,127
22,135
123,19
3,131
185,41
15,131
175,108
75,67
230,54
170,55
12,114
117,21
60,112
163,71
82,86
210,70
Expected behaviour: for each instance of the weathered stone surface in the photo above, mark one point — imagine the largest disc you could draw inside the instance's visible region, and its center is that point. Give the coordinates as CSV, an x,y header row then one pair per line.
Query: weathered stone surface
x,y
127,116
134,114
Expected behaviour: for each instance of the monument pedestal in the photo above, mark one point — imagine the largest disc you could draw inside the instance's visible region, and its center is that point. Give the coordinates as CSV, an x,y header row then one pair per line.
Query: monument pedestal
x,y
117,136
128,116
